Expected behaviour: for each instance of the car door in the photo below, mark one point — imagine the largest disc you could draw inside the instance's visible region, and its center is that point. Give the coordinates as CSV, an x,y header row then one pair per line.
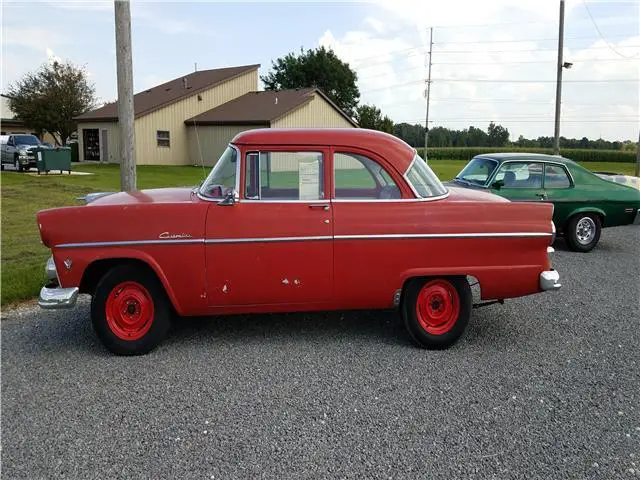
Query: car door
x,y
559,190
274,245
519,181
367,201
8,149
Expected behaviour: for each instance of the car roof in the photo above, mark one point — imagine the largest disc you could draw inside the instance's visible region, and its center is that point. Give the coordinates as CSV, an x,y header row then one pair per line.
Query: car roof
x,y
391,148
504,156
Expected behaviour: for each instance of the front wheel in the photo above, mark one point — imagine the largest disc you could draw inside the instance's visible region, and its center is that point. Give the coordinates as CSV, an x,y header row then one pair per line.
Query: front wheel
x,y
130,311
16,165
583,232
436,311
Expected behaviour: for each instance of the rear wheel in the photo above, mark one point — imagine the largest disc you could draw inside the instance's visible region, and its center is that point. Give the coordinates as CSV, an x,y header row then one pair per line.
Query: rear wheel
x,y
130,311
583,232
436,311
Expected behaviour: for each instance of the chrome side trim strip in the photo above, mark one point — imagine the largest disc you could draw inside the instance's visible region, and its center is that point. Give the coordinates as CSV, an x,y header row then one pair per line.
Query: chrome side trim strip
x,y
441,235
268,239
129,242
303,239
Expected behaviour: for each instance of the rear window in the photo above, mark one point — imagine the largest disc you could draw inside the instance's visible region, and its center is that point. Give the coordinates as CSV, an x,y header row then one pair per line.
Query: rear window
x,y
423,181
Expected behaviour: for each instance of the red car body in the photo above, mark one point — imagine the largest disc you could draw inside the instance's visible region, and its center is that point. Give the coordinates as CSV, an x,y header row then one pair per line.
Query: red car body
x,y
253,256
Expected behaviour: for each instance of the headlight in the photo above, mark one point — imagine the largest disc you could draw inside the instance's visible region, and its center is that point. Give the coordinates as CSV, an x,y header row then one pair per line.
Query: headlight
x,y
553,232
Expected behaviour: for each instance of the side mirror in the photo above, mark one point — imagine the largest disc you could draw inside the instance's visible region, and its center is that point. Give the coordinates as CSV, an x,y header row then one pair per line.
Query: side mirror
x,y
229,199
498,184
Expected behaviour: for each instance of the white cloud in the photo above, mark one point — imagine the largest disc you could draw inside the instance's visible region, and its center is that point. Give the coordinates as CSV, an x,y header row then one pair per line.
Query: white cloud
x,y
389,54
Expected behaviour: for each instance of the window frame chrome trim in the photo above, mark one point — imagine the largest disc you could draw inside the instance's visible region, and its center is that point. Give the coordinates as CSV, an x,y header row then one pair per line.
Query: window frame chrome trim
x,y
415,192
237,184
488,183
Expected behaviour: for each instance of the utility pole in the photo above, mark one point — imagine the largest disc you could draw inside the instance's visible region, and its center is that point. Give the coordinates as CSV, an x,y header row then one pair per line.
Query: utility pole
x,y
556,135
638,158
125,96
426,123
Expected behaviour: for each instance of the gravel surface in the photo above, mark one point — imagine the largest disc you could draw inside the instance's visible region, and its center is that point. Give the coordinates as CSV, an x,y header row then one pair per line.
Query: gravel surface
x,y
542,387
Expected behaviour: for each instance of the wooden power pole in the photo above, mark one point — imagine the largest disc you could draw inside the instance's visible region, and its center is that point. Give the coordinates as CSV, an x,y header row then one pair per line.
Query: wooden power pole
x,y
426,123
638,158
125,96
556,134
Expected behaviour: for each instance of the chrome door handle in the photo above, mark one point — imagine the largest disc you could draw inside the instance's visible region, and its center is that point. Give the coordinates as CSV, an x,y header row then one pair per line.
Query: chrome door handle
x,y
543,196
323,206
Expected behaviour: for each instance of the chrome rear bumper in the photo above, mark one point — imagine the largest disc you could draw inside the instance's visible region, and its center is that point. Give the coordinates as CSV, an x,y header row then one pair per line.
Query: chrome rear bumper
x,y
53,298
549,280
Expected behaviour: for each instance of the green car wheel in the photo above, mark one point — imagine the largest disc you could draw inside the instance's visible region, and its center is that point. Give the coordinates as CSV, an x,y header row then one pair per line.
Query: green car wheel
x,y
583,232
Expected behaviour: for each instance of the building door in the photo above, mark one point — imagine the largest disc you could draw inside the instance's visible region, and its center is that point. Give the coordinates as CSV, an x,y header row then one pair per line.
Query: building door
x,y
104,145
91,143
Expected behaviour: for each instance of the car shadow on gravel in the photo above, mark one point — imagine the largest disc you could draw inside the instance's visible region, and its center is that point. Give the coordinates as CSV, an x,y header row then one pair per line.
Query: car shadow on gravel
x,y
375,326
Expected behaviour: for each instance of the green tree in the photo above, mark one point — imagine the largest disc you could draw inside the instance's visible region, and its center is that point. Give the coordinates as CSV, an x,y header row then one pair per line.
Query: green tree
x,y
498,135
370,116
319,68
49,98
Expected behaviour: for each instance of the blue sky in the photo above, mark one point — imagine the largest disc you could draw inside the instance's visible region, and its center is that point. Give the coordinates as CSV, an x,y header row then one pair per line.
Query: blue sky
x,y
385,42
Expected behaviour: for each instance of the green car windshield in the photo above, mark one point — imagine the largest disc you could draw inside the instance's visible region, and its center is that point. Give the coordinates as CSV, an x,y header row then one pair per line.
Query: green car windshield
x,y
478,171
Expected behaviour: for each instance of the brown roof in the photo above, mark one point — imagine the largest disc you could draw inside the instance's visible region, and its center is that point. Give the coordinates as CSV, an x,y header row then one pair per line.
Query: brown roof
x,y
157,97
260,108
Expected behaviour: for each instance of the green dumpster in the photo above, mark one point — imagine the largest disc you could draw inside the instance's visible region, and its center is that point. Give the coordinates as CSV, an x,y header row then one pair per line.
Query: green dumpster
x,y
58,158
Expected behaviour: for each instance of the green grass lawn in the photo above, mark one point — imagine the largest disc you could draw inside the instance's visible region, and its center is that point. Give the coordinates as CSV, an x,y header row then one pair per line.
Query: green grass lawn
x,y
23,255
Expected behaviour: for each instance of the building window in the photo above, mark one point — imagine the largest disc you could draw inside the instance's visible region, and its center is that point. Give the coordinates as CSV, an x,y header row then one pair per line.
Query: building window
x,y
162,137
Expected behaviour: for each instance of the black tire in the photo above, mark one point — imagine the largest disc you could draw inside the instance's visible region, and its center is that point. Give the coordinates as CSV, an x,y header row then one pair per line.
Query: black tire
x,y
16,165
155,300
575,241
437,338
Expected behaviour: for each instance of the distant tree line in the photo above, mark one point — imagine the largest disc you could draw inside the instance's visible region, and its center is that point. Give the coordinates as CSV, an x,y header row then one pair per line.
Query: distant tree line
x,y
495,136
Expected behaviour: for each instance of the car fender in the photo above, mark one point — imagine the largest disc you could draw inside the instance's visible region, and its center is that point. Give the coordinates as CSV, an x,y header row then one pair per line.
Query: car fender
x,y
587,210
91,257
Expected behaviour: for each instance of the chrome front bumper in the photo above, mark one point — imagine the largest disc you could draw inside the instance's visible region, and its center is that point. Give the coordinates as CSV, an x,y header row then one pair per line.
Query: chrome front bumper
x,y
54,297
549,280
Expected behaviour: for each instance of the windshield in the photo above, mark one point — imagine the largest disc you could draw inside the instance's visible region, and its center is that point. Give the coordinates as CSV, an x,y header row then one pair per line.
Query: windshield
x,y
425,183
478,171
222,179
26,140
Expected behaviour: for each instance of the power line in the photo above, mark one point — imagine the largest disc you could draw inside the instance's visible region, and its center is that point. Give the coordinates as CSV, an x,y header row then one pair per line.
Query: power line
x,y
488,80
504,122
548,39
602,36
525,50
582,60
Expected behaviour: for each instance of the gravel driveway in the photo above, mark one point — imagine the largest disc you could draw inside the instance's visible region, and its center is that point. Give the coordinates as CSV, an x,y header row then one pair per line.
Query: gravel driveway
x,y
545,386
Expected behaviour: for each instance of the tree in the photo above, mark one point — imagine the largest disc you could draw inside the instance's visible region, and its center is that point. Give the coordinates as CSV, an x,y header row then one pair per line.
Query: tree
x,y
370,116
498,135
319,68
49,98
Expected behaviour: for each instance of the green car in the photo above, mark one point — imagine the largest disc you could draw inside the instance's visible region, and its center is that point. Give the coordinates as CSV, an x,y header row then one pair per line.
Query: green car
x,y
584,202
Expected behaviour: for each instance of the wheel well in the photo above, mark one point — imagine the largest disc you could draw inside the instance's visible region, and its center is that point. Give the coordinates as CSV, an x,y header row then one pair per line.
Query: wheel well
x,y
597,214
96,270
473,282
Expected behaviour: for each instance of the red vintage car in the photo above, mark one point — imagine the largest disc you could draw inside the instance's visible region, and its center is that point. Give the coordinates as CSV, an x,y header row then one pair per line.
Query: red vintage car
x,y
296,220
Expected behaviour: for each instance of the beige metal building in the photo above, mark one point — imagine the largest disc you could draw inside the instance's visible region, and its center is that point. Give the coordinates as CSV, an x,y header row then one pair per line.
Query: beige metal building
x,y
10,123
190,120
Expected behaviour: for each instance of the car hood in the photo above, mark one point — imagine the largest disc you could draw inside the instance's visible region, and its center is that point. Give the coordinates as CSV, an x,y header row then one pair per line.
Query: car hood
x,y
457,193
157,195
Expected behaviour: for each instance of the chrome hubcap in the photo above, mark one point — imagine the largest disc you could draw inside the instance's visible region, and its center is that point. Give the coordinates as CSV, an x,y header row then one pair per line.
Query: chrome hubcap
x,y
585,230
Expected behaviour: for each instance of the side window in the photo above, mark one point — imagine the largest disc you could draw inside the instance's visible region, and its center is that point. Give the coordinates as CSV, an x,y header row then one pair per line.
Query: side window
x,y
284,176
555,176
520,175
163,138
357,177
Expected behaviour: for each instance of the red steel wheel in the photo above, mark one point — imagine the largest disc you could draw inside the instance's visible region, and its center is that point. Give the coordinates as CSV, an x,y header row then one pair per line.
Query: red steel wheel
x,y
437,306
129,310
436,311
